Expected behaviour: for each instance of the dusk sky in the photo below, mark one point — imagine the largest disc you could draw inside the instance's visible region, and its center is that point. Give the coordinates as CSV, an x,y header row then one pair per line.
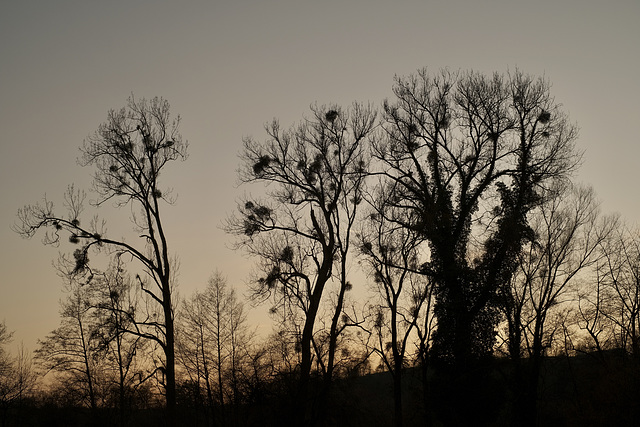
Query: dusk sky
x,y
227,67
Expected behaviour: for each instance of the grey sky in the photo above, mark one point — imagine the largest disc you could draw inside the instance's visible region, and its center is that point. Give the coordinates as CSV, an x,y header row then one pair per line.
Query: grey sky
x,y
227,67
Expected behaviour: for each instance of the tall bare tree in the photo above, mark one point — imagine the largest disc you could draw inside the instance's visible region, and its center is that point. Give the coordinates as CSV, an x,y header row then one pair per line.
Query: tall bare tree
x,y
195,347
569,230
128,153
214,343
403,294
316,171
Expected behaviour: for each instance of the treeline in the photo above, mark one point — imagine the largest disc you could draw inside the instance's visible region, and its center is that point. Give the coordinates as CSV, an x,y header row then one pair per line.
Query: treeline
x,y
439,242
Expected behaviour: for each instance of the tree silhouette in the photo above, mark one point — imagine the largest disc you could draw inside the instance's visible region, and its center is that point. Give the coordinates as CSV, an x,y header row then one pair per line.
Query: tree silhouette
x,y
468,156
568,230
73,349
128,152
213,341
391,254
115,304
619,297
316,171
17,377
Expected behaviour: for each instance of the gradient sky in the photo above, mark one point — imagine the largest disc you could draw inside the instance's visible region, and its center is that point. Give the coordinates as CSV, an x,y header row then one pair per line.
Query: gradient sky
x,y
229,66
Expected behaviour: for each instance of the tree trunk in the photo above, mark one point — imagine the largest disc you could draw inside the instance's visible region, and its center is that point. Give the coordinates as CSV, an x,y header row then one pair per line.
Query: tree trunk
x,y
209,413
333,344
397,394
169,351
88,373
121,385
527,407
398,357
303,400
220,382
424,371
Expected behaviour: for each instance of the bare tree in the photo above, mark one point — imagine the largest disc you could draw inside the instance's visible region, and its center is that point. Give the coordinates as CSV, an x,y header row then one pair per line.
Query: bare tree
x,y
619,297
316,172
115,303
403,294
129,152
73,349
17,377
569,231
591,315
6,368
214,342
193,348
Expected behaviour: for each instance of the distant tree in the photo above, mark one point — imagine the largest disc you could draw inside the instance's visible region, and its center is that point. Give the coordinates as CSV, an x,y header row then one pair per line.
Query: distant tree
x,y
6,368
301,233
283,345
194,349
114,306
73,349
619,296
129,152
17,377
213,344
595,312
591,317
